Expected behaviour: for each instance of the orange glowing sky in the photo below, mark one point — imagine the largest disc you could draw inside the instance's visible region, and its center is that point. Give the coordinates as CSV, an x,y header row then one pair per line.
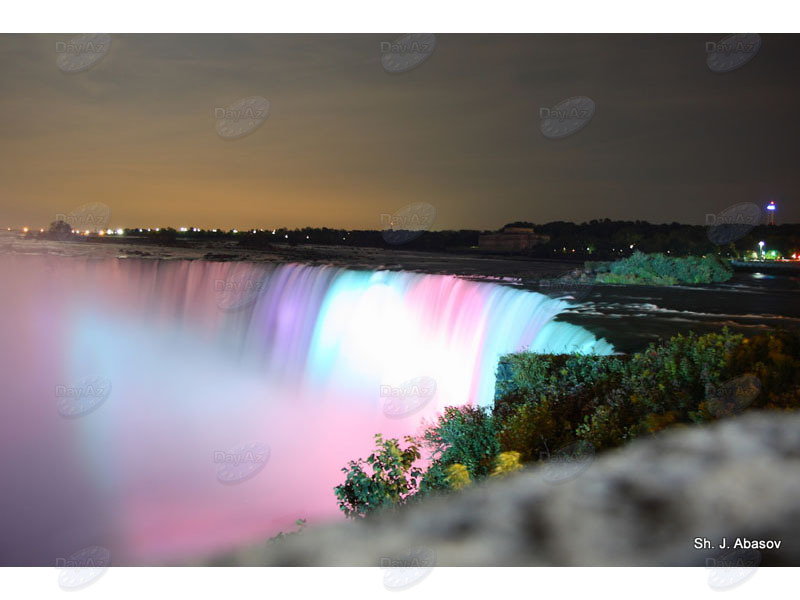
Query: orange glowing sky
x,y
346,141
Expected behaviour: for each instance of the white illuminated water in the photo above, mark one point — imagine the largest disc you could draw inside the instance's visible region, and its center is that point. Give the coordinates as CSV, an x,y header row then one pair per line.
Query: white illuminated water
x,y
201,359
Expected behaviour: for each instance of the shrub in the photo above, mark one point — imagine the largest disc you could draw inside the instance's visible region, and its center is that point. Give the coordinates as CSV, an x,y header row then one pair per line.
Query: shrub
x,y
388,480
545,403
507,462
659,269
550,401
462,435
280,536
458,476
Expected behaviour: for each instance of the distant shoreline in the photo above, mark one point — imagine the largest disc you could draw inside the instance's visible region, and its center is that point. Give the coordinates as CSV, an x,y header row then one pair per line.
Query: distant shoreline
x,y
767,266
466,263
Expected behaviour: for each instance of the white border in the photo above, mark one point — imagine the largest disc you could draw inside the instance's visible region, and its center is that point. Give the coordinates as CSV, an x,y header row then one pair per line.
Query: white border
x,y
356,583
366,16
371,16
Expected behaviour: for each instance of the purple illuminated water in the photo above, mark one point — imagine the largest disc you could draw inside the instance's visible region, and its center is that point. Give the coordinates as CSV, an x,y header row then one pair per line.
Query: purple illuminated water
x,y
168,410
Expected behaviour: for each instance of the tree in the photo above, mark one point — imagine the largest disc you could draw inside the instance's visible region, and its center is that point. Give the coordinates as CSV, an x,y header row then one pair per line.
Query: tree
x,y
59,229
463,435
393,479
166,236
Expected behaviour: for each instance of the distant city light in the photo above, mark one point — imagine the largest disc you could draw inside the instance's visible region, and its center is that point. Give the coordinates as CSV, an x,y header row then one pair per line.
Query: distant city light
x,y
235,231
24,230
771,207
120,231
184,229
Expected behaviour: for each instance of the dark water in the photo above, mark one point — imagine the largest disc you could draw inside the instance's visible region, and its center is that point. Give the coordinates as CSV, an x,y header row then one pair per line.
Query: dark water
x,y
630,317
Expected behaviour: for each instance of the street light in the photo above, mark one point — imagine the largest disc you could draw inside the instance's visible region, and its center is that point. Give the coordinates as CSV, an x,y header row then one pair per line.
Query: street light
x,y
761,249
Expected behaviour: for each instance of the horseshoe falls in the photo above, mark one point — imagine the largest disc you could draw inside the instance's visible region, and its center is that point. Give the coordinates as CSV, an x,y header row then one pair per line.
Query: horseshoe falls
x,y
166,410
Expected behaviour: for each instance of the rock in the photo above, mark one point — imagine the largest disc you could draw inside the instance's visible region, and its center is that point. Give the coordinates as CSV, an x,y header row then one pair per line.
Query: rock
x,y
642,505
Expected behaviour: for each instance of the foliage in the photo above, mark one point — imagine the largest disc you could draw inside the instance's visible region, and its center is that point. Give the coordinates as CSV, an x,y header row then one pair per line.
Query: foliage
x,y
659,269
59,229
458,476
550,401
773,361
463,435
385,480
597,239
507,462
544,403
301,525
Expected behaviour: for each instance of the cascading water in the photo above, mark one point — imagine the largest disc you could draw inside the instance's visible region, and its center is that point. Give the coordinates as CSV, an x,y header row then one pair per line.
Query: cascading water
x,y
166,410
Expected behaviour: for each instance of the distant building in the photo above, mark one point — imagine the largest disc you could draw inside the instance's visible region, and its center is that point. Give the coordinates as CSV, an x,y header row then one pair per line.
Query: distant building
x,y
511,239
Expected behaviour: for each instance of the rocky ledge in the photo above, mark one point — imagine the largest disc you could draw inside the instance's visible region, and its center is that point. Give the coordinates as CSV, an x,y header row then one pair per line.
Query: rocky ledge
x,y
650,503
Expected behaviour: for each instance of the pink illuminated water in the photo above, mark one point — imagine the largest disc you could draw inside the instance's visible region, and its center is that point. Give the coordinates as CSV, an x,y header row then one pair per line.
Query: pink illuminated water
x,y
200,358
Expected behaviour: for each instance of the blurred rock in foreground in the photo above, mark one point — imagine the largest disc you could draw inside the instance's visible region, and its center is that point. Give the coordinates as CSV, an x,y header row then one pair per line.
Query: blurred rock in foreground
x,y
641,505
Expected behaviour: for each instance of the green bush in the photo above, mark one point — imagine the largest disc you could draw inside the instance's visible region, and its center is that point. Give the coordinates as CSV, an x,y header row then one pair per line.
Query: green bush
x,y
280,536
384,481
544,403
462,435
597,266
659,269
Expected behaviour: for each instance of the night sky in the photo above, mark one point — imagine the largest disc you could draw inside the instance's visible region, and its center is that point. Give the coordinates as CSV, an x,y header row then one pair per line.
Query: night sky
x,y
345,140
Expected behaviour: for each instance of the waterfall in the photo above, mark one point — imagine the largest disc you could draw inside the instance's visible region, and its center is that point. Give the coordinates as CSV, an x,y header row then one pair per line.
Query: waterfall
x,y
171,409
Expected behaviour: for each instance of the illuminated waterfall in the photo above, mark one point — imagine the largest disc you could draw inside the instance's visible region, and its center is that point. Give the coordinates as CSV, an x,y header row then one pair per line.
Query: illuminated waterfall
x,y
195,368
